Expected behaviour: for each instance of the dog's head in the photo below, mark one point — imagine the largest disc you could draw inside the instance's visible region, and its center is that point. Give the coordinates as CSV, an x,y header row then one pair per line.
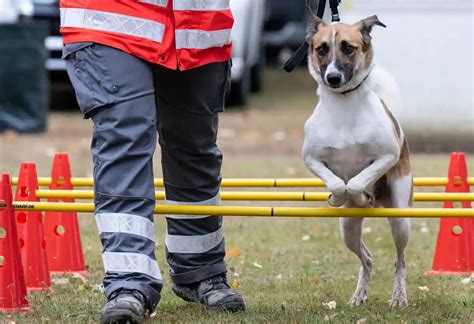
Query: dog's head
x,y
340,55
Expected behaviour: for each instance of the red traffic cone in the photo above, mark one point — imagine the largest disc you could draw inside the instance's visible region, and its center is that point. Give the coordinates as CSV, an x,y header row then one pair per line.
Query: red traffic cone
x,y
454,252
30,232
63,240
12,280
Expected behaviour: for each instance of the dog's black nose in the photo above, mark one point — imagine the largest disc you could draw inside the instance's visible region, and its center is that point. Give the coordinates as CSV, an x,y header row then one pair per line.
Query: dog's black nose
x,y
334,79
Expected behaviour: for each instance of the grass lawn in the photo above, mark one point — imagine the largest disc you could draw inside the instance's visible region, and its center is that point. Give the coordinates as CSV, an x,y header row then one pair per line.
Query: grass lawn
x,y
287,269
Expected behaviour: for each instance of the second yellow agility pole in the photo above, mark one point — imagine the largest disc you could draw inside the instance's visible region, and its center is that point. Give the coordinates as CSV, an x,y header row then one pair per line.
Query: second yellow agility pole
x,y
264,211
263,196
264,182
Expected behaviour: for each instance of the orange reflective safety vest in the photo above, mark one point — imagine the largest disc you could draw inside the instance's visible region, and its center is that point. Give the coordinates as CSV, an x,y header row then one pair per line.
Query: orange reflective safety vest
x,y
180,34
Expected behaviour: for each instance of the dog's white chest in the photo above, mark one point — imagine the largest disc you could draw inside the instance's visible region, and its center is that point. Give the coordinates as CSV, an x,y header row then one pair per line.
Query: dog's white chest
x,y
348,135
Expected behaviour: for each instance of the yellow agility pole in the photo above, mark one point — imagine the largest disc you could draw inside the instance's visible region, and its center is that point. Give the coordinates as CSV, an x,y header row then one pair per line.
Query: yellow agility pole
x,y
262,211
263,196
264,182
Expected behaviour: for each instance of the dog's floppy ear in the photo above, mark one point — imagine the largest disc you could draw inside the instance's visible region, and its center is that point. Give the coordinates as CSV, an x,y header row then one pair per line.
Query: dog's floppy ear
x,y
365,26
313,23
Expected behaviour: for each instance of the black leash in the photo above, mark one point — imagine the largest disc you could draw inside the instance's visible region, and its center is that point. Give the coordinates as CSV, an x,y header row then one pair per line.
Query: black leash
x,y
302,51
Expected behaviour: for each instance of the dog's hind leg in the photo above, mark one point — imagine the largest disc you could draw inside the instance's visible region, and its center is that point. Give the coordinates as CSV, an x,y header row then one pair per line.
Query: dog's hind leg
x,y
401,197
351,232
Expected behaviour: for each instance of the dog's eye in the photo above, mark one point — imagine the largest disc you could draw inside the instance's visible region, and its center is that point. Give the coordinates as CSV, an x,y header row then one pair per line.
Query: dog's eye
x,y
347,48
322,50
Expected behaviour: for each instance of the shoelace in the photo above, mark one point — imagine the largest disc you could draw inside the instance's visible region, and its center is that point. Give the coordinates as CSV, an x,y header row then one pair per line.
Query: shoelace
x,y
218,282
138,295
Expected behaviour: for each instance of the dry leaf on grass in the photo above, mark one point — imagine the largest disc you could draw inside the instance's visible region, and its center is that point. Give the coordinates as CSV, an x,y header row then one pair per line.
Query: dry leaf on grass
x,y
424,288
331,305
367,230
305,238
466,281
81,288
235,284
257,265
233,253
362,320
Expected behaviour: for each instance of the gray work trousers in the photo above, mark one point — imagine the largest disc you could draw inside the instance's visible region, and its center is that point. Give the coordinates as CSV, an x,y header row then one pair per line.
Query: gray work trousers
x,y
129,101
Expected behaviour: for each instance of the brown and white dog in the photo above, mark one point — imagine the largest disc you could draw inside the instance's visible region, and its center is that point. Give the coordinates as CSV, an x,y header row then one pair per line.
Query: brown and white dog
x,y
354,143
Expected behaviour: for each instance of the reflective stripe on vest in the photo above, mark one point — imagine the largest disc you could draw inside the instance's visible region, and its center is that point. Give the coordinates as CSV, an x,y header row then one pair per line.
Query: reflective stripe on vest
x,y
131,262
125,223
159,3
193,244
201,39
112,22
201,5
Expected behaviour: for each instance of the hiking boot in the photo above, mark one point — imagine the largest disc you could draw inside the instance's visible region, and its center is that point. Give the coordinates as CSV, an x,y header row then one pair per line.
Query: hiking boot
x,y
212,293
125,306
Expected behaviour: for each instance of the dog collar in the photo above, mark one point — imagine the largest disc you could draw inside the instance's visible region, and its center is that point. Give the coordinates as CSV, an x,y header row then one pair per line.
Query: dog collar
x,y
357,87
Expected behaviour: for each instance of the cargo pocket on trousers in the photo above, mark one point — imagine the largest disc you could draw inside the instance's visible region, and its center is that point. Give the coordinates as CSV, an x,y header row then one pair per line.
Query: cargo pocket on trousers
x,y
88,78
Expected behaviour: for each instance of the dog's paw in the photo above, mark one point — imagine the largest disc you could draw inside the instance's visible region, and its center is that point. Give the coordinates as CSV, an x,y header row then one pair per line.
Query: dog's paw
x,y
399,299
358,195
337,201
338,196
360,297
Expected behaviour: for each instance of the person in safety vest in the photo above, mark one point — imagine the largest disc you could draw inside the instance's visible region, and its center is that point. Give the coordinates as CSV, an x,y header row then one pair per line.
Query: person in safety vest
x,y
141,68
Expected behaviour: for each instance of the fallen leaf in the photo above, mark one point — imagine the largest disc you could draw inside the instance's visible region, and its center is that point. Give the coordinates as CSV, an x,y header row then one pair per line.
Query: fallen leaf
x,y
466,281
367,230
362,320
424,288
235,284
305,238
278,276
331,305
233,253
81,288
257,265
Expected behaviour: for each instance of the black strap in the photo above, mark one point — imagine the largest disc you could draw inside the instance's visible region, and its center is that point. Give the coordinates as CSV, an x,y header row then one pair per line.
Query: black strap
x,y
301,52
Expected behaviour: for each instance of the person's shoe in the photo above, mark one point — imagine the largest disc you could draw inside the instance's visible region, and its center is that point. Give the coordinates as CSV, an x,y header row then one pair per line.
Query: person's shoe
x,y
125,306
213,293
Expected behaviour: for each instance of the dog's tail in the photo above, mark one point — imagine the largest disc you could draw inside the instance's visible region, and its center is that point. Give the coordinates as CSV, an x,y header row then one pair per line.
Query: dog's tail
x,y
387,89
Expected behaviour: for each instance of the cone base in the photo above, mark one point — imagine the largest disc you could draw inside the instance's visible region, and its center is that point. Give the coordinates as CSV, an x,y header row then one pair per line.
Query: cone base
x,y
448,273
15,309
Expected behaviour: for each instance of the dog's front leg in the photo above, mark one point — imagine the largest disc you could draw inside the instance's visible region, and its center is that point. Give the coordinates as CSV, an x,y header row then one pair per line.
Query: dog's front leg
x,y
336,185
357,187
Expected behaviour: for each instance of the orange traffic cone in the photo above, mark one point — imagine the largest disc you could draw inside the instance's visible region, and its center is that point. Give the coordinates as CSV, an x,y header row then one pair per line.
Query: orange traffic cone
x,y
454,252
63,240
30,232
12,280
